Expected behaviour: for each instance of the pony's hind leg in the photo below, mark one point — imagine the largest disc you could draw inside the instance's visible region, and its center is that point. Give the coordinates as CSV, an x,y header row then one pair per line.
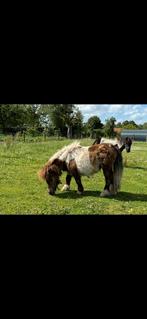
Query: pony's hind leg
x,y
109,182
66,187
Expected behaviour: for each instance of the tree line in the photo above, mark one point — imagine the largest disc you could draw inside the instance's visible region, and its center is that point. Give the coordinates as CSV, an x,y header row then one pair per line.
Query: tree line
x,y
57,119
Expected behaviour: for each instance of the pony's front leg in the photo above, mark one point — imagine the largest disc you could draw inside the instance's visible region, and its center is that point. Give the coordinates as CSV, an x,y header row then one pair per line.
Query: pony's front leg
x,y
66,187
109,182
80,186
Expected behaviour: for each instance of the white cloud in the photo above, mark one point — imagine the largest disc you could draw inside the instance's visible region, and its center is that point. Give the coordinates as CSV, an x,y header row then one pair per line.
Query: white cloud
x,y
121,112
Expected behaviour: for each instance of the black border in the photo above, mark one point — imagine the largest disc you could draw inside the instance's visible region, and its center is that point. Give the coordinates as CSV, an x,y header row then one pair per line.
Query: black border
x,y
78,83
74,235
74,93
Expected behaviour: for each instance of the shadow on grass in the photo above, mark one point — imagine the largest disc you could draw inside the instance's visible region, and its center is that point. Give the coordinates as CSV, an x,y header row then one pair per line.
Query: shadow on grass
x,y
125,196
73,194
122,196
137,167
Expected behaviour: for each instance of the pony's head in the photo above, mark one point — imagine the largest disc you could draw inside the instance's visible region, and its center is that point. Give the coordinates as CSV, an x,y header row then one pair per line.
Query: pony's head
x,y
51,173
97,141
128,143
52,178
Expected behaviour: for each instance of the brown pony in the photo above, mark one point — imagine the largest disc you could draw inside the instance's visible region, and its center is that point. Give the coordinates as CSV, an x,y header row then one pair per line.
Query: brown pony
x,y
79,161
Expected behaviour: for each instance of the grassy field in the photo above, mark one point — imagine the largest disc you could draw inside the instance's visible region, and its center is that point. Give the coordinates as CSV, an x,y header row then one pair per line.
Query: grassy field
x,y
22,193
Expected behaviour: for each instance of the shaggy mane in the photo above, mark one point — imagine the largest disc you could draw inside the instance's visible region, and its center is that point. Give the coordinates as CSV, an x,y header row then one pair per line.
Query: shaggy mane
x,y
64,152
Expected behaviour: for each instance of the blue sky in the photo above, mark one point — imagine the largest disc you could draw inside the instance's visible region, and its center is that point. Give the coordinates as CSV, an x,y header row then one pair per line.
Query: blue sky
x,y
122,112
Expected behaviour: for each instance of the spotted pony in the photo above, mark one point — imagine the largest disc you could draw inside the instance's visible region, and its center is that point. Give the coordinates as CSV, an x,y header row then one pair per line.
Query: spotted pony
x,y
80,161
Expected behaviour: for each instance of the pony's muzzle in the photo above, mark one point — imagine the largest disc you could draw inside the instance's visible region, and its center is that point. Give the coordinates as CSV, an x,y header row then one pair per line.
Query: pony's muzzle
x,y
51,193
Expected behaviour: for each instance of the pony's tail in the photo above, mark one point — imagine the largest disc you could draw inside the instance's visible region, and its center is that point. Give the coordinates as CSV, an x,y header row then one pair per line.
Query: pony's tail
x,y
118,171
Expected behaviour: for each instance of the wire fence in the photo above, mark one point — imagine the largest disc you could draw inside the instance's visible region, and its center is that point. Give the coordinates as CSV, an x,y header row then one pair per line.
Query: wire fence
x,y
33,135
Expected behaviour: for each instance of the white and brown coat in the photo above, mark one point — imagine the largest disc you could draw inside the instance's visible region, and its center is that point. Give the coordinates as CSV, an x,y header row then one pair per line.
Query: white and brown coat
x,y
80,161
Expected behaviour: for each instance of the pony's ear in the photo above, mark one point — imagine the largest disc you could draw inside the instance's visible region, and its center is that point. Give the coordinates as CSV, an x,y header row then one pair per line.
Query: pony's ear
x,y
52,169
60,164
57,162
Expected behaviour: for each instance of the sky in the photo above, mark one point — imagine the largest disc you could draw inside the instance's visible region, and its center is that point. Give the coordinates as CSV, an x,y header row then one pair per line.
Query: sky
x,y
122,112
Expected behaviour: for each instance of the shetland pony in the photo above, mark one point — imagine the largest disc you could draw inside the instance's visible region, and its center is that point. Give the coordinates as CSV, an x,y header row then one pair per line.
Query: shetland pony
x,y
80,161
122,144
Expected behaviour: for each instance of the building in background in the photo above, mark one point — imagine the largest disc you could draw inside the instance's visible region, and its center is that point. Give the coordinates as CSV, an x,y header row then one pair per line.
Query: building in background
x,y
136,135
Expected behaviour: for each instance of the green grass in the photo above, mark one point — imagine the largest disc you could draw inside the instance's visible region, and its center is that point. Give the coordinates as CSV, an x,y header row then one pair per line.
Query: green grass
x,y
21,192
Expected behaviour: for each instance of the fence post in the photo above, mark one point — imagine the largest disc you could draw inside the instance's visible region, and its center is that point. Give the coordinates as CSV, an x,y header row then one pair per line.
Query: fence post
x,y
24,137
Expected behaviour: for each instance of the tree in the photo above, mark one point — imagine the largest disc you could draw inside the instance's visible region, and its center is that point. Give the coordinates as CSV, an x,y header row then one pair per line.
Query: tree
x,y
125,123
144,126
94,123
52,115
44,115
109,127
33,115
129,125
15,117
11,116
140,126
119,125
77,123
68,117
64,117
85,130
58,114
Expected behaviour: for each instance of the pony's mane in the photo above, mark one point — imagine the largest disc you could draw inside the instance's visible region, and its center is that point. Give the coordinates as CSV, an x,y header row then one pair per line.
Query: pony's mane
x,y
65,151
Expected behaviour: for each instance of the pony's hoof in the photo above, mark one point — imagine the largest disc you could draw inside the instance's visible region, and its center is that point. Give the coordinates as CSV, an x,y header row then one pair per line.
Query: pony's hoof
x,y
79,193
113,193
65,188
112,190
105,193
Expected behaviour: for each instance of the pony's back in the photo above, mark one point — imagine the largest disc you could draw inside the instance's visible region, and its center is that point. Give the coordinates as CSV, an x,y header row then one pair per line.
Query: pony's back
x,y
63,153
